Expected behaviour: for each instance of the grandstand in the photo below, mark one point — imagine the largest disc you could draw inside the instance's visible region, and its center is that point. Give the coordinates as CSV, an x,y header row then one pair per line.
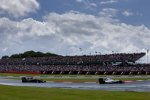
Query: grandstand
x,y
108,64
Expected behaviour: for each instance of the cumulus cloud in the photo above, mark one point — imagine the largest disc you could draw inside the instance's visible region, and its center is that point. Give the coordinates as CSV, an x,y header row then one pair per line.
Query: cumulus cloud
x,y
108,1
18,8
127,13
66,33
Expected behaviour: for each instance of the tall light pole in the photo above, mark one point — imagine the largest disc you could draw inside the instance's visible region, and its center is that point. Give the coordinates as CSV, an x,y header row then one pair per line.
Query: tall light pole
x,y
147,56
96,52
147,51
80,50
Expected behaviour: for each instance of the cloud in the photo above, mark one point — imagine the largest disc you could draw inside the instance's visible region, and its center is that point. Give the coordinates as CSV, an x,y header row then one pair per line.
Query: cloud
x,y
93,5
18,8
108,1
87,3
108,12
79,0
127,13
66,33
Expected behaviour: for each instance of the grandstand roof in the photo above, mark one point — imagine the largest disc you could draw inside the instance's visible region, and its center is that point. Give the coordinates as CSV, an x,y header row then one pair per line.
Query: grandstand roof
x,y
131,57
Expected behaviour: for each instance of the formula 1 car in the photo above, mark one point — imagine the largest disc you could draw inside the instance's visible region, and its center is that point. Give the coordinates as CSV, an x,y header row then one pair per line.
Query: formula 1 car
x,y
31,80
109,81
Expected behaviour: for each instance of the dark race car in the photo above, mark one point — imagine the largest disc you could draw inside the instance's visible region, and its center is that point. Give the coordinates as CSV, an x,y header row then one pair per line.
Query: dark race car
x,y
109,81
31,80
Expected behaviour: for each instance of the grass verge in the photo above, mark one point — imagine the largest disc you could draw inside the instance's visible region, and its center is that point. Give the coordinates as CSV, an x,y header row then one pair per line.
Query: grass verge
x,y
34,93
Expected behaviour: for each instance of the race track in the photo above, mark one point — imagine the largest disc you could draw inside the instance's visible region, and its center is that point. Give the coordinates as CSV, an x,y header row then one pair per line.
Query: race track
x,y
140,86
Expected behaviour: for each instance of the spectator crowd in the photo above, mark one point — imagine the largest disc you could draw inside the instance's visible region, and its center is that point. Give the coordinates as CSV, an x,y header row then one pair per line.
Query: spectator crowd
x,y
74,64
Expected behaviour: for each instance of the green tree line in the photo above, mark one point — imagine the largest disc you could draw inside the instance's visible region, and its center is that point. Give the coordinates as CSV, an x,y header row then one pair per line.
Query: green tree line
x,y
30,54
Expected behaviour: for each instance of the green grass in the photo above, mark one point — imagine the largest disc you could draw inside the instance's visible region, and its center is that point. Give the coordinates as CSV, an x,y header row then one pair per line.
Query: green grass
x,y
34,93
89,79
72,79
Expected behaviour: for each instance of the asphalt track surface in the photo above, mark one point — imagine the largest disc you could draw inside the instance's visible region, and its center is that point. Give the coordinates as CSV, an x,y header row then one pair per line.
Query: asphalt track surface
x,y
140,86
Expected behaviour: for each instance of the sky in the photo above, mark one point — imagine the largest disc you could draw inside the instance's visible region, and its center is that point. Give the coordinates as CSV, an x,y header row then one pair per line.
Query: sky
x,y
74,27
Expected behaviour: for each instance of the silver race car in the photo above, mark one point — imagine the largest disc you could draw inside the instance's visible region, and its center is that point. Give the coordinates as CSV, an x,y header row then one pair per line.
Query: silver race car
x,y
109,81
